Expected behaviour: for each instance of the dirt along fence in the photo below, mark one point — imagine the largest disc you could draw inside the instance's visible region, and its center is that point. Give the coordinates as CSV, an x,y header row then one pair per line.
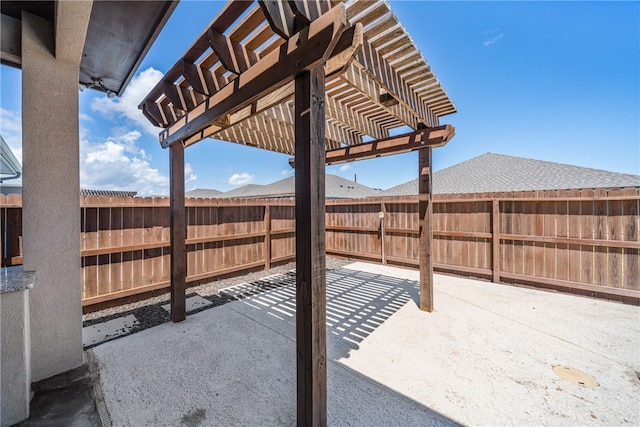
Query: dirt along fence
x,y
580,241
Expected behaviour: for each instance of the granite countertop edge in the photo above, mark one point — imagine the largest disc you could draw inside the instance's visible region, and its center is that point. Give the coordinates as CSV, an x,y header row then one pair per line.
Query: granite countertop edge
x,y
14,279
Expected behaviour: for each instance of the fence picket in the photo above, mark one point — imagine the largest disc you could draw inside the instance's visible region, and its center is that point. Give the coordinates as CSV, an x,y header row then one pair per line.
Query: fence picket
x,y
586,240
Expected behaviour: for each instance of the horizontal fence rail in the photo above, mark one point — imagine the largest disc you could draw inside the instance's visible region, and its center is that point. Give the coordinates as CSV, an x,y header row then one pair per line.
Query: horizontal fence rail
x,y
585,241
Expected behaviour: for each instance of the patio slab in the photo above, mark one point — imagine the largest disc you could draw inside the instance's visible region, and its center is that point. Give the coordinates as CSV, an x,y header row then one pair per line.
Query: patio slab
x,y
108,330
192,303
485,356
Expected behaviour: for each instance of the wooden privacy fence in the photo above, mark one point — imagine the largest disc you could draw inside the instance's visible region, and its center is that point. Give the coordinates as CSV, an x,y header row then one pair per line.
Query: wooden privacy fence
x,y
125,242
586,241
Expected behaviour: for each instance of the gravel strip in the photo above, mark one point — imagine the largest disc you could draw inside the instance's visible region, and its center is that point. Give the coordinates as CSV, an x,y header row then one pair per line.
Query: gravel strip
x,y
150,313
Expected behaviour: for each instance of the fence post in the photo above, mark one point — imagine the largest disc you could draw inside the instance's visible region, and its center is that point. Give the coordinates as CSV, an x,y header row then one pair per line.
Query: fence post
x,y
383,214
495,239
267,237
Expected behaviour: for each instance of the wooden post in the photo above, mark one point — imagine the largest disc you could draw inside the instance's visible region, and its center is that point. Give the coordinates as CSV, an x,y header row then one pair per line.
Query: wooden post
x,y
495,240
178,225
383,210
425,212
267,237
310,248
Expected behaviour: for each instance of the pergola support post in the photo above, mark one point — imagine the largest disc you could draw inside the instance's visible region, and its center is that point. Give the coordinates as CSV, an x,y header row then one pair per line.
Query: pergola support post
x,y
310,248
425,212
178,224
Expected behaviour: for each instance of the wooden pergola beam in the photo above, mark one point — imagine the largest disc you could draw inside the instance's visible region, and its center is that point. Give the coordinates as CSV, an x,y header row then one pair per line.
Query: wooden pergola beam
x,y
430,137
417,140
372,62
303,51
365,83
221,22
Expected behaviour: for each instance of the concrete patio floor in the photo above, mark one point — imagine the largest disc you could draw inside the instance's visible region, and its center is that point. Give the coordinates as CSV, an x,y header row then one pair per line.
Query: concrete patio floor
x,y
484,357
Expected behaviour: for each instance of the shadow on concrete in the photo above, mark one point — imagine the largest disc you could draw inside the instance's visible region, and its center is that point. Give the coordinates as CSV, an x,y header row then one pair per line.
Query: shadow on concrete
x,y
357,304
236,364
65,399
357,301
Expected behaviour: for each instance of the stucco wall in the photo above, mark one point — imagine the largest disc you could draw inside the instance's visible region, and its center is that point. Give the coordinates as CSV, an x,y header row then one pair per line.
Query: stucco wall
x,y
15,378
51,210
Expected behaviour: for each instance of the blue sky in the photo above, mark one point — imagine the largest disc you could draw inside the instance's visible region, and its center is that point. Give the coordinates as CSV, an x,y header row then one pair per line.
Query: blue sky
x,y
556,81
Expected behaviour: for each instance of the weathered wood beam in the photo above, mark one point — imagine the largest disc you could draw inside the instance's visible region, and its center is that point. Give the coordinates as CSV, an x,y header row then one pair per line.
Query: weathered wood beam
x,y
361,80
357,120
191,74
280,16
178,227
418,140
309,10
171,92
221,22
430,137
343,53
425,215
252,137
310,249
372,62
152,112
273,130
334,130
233,56
304,50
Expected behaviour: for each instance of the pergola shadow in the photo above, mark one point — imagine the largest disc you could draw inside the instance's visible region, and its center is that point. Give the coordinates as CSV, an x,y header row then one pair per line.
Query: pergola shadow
x,y
358,303
233,364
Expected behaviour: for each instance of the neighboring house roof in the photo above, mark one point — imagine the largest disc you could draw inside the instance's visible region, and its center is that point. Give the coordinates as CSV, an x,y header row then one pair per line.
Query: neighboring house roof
x,y
203,193
490,173
335,188
107,193
10,167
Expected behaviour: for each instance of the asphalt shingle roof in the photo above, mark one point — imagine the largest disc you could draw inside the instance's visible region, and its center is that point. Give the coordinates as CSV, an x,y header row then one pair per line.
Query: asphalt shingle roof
x,y
335,188
203,193
107,193
490,173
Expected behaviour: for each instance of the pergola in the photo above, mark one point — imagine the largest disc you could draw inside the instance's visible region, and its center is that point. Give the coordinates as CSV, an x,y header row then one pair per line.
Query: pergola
x,y
315,79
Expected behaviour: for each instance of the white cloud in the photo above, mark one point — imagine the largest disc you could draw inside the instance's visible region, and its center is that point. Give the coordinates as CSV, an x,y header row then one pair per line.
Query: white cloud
x,y
240,179
118,164
493,36
189,176
287,172
127,105
86,117
345,167
11,131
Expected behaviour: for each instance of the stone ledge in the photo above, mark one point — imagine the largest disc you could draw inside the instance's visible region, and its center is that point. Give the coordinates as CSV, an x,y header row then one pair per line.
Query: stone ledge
x,y
15,279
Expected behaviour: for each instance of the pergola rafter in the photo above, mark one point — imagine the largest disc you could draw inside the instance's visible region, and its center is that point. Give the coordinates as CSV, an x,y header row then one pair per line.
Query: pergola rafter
x,y
242,27
311,78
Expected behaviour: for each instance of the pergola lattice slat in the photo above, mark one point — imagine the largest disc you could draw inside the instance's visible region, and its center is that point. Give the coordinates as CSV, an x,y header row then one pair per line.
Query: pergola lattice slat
x,y
303,51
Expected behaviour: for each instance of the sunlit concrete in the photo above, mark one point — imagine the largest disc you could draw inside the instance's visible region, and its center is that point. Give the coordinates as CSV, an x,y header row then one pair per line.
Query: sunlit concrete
x,y
485,356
